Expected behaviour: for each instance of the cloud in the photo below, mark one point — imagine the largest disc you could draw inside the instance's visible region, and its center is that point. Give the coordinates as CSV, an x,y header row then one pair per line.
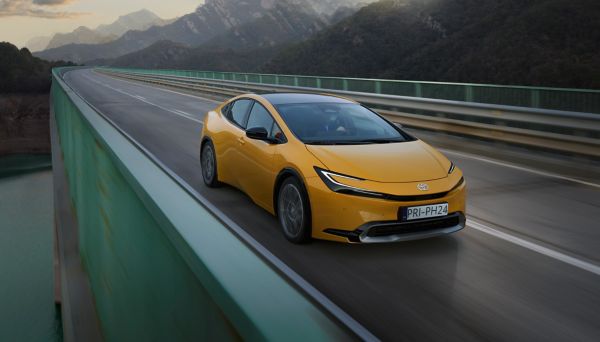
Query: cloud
x,y
51,2
35,8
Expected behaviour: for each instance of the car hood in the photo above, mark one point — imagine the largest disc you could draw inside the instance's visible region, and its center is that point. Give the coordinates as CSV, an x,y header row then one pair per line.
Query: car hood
x,y
403,162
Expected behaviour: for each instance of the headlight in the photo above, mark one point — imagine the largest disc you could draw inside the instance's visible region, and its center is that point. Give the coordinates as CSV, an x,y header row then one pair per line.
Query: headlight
x,y
451,169
329,178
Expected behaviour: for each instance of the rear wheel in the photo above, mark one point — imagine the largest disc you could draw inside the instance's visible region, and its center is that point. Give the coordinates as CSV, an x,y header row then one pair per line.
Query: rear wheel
x,y
208,160
293,211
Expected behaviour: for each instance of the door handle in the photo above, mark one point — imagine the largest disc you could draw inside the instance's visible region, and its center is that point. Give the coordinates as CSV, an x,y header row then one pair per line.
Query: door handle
x,y
241,140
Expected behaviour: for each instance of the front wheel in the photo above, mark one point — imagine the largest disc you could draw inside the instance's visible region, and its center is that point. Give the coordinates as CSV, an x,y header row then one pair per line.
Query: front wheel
x,y
293,211
208,161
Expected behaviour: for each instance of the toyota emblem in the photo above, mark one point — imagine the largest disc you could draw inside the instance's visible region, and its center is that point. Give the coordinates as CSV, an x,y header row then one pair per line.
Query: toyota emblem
x,y
423,187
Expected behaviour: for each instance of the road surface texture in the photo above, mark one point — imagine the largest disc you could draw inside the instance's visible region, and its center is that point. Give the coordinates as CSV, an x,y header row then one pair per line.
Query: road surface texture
x,y
525,268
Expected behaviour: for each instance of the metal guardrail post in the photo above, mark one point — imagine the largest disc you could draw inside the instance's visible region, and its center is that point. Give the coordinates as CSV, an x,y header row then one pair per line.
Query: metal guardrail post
x,y
535,98
418,90
377,87
469,93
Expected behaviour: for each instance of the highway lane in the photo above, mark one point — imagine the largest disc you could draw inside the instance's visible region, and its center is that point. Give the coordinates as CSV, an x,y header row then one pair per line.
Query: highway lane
x,y
468,286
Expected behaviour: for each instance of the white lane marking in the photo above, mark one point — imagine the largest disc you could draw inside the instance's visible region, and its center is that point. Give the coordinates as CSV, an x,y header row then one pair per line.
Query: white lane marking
x,y
159,88
584,265
181,112
521,168
140,98
185,114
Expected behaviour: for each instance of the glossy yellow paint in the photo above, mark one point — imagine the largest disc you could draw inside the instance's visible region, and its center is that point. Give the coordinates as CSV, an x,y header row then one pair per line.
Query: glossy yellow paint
x,y
253,166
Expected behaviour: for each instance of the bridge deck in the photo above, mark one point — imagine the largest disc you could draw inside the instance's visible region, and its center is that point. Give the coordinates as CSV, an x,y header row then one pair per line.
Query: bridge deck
x,y
473,285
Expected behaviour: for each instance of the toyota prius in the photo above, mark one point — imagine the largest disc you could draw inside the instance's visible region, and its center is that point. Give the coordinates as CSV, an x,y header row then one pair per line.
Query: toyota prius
x,y
330,168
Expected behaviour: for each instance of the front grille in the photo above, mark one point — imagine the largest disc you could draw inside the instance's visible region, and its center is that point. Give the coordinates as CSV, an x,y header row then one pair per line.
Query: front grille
x,y
415,227
415,198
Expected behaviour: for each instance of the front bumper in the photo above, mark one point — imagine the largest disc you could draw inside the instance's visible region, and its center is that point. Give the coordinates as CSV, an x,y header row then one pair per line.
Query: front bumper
x,y
357,219
394,231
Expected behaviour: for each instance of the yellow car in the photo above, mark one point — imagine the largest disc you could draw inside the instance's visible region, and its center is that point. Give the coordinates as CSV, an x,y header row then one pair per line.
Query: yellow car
x,y
331,169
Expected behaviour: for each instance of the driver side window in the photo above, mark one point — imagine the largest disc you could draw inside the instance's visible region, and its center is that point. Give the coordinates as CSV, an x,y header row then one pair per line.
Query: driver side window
x,y
260,117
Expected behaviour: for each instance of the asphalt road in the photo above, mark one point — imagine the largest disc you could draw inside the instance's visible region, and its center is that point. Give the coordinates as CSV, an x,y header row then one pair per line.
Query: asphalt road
x,y
526,268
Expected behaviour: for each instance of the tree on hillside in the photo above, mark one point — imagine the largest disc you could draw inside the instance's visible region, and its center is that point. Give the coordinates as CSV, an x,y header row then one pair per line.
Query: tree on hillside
x,y
20,72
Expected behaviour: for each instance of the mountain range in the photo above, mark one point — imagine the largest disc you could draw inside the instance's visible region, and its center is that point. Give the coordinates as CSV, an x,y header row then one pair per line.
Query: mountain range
x,y
243,47
81,35
523,42
139,20
213,18
38,43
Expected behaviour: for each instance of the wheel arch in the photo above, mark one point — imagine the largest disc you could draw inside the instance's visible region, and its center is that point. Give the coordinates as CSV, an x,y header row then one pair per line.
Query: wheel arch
x,y
204,141
282,176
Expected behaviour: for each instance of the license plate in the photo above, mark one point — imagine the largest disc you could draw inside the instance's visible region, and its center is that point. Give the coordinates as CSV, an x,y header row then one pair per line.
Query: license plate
x,y
425,211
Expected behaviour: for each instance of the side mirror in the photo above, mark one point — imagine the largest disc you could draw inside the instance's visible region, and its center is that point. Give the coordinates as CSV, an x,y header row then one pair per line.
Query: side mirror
x,y
258,133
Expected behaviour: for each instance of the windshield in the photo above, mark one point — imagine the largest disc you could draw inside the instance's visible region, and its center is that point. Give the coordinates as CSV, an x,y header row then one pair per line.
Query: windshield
x,y
338,123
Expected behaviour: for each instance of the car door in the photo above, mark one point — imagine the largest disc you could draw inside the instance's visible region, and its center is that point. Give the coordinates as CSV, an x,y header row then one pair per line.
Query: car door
x,y
229,156
256,171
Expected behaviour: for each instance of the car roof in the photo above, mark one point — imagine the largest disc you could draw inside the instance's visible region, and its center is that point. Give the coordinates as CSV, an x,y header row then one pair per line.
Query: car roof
x,y
289,98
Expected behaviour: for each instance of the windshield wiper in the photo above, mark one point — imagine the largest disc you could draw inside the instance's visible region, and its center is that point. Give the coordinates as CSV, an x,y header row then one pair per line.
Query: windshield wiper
x,y
355,142
322,142
380,141
334,142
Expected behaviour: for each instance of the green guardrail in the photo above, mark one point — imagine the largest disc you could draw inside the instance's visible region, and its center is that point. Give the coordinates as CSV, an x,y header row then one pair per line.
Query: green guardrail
x,y
575,100
161,266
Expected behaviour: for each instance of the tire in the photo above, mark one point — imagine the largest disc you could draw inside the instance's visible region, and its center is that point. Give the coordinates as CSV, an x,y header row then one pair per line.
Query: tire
x,y
208,162
293,211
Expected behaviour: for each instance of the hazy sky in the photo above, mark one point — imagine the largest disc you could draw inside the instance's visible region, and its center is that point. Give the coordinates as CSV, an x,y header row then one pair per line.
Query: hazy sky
x,y
21,20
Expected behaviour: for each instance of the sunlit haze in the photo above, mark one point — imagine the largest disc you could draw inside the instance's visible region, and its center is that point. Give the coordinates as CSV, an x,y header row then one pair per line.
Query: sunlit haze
x,y
21,20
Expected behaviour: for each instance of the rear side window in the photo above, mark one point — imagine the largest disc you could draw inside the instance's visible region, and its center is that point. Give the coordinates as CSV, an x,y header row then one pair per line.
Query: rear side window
x,y
225,110
238,112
